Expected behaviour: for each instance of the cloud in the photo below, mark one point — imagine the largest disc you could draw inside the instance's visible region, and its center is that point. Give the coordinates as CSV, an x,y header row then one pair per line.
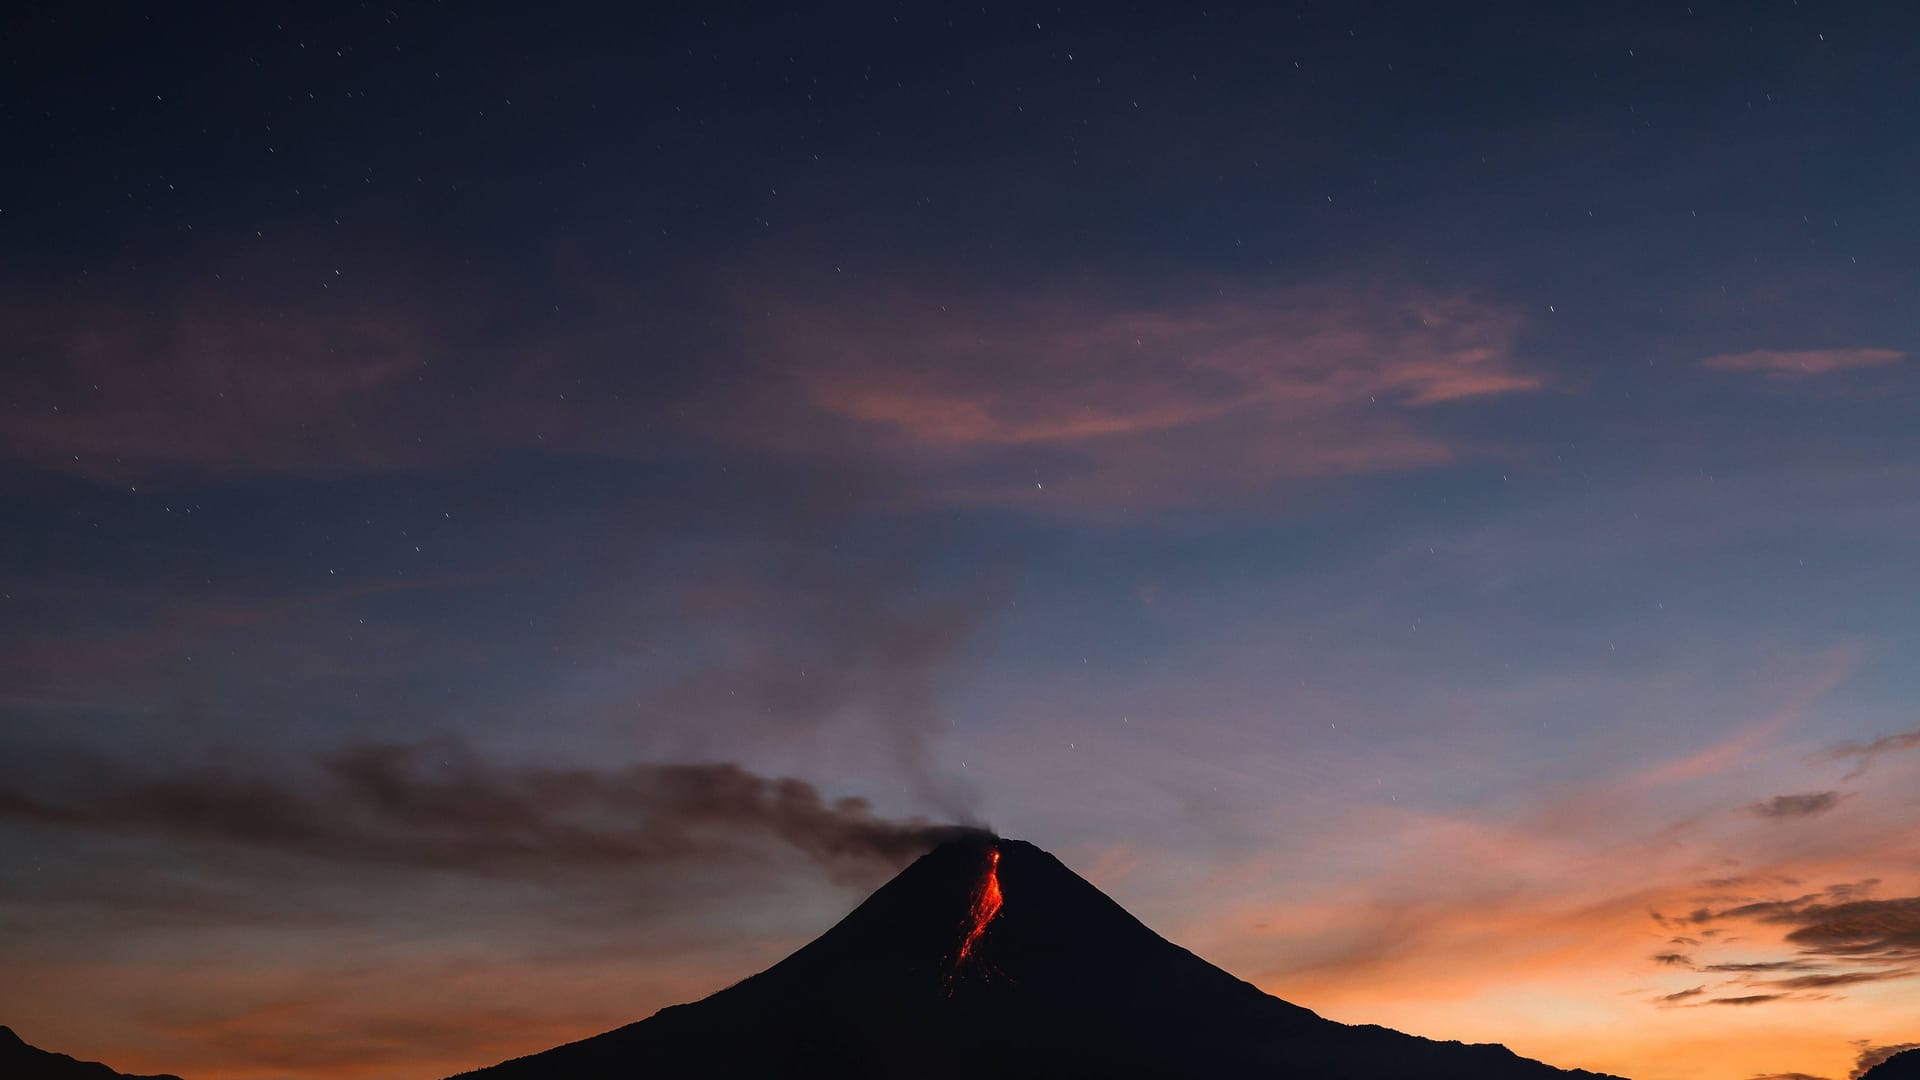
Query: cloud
x,y
1845,978
1801,364
1818,979
1053,400
1009,398
1841,938
1867,753
200,382
1748,999
1764,965
1786,807
1862,929
257,374
1835,666
438,805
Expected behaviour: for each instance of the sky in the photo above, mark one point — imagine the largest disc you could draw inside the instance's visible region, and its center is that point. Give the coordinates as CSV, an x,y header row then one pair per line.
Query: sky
x,y
514,517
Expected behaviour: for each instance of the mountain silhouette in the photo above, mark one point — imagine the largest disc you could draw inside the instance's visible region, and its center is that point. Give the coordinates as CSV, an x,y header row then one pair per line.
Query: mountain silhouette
x,y
988,958
1904,1065
19,1061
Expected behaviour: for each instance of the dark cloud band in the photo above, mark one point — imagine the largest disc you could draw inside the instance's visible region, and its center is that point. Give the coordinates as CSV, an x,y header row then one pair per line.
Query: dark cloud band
x,y
439,805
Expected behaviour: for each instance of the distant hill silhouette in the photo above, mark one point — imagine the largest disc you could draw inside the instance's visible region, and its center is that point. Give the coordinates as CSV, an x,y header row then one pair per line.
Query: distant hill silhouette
x,y
19,1061
1060,983
1904,1065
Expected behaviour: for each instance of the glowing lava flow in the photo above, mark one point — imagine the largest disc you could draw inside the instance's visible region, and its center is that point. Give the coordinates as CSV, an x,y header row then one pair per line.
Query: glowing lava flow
x,y
981,909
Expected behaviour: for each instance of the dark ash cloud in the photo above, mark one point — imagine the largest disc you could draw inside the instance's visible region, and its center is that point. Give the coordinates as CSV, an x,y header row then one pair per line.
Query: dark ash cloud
x,y
1673,959
1683,994
1787,807
438,805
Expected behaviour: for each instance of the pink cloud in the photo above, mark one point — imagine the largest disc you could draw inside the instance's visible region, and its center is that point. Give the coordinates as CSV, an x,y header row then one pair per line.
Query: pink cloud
x,y
1065,401
1109,405
128,386
1802,363
206,385
1798,698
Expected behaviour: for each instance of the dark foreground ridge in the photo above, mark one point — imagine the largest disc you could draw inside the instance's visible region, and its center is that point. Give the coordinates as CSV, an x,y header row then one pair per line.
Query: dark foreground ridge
x,y
1904,1065
1061,982
19,1061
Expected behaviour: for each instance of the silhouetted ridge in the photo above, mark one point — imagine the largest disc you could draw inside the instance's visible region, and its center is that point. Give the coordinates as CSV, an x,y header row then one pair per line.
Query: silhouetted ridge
x,y
1062,982
1904,1065
20,1061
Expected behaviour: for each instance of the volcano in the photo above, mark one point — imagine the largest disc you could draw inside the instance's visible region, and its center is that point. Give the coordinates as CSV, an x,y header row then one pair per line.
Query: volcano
x,y
990,960
19,1061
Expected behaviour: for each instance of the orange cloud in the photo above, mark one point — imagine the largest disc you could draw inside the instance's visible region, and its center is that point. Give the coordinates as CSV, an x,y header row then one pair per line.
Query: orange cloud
x,y
1517,932
1803,363
1589,926
1110,405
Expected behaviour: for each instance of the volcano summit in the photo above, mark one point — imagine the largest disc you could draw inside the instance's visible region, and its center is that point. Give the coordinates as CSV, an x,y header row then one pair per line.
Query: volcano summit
x,y
989,958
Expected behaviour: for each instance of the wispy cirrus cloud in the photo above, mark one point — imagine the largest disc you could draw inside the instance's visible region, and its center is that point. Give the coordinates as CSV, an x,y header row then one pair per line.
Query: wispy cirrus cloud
x,y
1802,363
203,383
1868,752
1834,667
1002,398
1027,399
253,376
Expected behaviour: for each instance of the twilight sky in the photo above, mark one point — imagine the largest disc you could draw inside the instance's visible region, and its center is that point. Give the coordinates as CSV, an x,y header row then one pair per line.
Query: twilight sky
x,y
515,517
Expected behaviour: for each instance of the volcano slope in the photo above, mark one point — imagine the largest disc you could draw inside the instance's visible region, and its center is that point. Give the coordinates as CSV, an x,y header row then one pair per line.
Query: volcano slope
x,y
1902,1066
19,1061
988,959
